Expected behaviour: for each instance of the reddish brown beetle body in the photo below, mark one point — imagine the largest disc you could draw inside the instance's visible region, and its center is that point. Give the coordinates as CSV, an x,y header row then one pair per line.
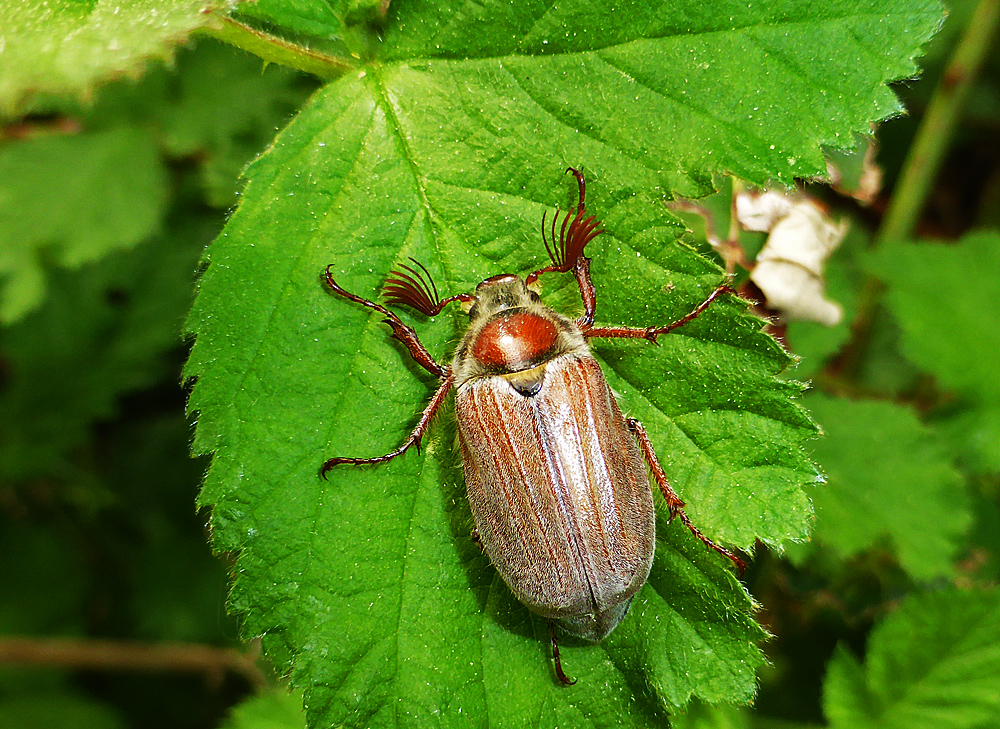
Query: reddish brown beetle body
x,y
556,482
557,477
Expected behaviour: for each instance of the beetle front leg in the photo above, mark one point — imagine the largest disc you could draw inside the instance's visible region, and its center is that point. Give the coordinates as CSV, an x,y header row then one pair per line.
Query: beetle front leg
x,y
587,292
415,436
674,502
651,333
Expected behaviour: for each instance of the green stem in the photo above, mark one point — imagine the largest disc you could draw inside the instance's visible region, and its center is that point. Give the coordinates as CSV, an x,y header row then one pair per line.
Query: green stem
x,y
277,50
933,136
922,164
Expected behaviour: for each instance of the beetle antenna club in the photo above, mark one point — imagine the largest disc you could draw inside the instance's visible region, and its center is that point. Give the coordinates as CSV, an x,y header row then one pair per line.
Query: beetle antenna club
x,y
558,479
566,249
416,289
410,288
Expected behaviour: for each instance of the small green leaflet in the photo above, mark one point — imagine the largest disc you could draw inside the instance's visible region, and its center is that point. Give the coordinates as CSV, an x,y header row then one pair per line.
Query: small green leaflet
x,y
889,479
944,298
273,708
368,588
934,663
47,214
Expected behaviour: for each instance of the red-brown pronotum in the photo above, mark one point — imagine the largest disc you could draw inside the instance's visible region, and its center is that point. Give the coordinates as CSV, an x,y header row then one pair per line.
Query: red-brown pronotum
x,y
556,475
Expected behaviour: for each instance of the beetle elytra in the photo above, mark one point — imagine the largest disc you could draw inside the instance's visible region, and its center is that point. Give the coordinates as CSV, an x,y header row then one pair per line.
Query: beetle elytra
x,y
556,475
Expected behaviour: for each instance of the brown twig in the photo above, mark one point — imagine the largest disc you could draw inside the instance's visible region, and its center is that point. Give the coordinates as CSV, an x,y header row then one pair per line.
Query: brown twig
x,y
123,655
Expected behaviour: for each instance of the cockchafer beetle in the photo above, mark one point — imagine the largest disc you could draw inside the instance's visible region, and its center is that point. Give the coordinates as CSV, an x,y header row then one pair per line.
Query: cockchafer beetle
x,y
556,475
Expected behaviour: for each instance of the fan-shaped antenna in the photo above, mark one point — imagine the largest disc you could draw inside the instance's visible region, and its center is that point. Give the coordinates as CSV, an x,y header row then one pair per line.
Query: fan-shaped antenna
x,y
575,233
415,288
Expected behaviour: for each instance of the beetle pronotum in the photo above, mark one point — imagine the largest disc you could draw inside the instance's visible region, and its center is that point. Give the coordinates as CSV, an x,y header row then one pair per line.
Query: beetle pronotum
x,y
556,476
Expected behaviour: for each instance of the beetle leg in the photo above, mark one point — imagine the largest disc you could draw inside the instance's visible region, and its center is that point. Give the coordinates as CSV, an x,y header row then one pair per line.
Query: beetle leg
x,y
415,436
566,680
587,292
400,331
651,333
674,502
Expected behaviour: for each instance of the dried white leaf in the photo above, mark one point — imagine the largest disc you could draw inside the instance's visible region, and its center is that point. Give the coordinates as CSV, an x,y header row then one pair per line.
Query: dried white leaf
x,y
789,269
796,292
761,212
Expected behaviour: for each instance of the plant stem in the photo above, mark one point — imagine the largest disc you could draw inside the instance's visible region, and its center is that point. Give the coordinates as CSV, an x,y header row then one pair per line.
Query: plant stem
x,y
273,49
128,655
933,136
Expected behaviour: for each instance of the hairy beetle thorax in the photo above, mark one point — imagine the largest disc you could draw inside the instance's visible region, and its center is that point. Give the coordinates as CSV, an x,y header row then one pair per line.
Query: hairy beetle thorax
x,y
513,335
515,340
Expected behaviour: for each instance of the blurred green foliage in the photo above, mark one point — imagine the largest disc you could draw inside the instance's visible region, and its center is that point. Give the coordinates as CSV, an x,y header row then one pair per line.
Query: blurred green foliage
x,y
98,524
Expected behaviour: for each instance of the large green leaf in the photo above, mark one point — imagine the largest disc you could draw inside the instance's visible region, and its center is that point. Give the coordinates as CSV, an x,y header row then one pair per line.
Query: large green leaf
x,y
68,46
934,663
368,587
889,480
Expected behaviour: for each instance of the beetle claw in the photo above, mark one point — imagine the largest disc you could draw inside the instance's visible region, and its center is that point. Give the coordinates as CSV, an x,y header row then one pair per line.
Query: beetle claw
x,y
328,466
560,674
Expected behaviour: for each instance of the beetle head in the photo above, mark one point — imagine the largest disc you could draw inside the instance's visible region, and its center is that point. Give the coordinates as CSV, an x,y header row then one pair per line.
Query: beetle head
x,y
498,293
513,335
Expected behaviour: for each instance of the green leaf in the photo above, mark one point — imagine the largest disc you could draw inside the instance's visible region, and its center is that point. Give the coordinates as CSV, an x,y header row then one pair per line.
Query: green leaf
x,y
224,111
65,709
943,297
704,716
215,106
368,588
273,708
114,198
68,47
746,89
103,332
889,479
984,537
46,577
974,432
932,663
323,20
